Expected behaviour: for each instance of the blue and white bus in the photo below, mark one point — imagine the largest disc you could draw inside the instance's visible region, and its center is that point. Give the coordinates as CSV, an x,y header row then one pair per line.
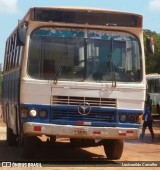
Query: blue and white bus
x,y
77,73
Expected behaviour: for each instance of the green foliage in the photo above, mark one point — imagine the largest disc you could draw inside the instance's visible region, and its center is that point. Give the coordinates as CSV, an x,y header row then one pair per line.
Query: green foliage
x,y
153,60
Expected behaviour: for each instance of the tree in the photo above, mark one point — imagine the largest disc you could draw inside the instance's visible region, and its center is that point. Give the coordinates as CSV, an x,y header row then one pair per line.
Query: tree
x,y
153,60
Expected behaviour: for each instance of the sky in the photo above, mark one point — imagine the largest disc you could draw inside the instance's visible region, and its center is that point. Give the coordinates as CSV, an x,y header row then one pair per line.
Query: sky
x,y
13,10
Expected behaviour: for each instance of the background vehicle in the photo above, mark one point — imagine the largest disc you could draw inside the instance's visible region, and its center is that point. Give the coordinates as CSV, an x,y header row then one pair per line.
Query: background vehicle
x,y
75,73
153,89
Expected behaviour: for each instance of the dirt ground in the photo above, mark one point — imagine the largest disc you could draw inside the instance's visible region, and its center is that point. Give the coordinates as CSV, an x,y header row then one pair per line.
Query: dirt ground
x,y
63,157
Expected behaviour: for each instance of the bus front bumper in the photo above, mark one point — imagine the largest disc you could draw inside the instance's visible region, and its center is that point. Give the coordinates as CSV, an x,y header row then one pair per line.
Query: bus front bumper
x,y
89,132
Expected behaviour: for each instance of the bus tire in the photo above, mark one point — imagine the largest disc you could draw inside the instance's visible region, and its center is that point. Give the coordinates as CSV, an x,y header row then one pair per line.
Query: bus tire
x,y
52,139
113,148
11,137
29,147
75,142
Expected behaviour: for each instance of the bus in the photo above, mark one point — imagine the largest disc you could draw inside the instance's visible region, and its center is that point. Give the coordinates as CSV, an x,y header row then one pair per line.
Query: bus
x,y
153,90
76,73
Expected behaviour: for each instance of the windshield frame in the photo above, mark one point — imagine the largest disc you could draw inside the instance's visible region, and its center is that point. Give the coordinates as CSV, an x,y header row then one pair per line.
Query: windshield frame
x,y
81,34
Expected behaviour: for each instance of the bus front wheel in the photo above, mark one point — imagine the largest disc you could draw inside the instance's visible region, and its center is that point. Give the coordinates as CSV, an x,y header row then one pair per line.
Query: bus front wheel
x,y
29,146
113,148
11,137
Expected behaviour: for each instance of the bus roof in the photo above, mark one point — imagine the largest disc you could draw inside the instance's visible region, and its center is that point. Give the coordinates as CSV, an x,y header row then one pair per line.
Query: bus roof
x,y
83,9
79,15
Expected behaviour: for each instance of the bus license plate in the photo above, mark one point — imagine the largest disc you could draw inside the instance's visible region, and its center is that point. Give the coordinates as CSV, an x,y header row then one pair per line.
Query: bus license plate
x,y
80,132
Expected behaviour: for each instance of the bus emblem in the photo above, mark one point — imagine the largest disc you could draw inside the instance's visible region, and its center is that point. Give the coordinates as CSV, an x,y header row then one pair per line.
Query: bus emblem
x,y
84,108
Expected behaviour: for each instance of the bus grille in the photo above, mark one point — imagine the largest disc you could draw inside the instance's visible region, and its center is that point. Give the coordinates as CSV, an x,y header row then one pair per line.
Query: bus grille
x,y
75,101
66,108
62,114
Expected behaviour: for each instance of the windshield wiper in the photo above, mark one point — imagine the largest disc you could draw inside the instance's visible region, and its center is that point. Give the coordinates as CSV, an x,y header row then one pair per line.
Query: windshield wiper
x,y
111,66
58,75
64,58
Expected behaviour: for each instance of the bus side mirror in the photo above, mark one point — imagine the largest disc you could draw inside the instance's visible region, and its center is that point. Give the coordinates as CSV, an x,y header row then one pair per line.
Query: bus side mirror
x,y
21,34
150,45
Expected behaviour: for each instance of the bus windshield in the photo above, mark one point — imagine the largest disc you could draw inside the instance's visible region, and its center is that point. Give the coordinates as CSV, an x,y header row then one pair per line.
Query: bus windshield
x,y
78,55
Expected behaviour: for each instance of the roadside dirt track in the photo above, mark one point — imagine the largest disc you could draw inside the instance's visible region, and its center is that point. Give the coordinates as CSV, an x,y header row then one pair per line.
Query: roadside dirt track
x,y
64,157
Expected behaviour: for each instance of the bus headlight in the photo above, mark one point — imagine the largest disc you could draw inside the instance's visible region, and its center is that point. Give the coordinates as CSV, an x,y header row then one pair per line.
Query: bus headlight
x,y
43,113
123,118
132,118
32,113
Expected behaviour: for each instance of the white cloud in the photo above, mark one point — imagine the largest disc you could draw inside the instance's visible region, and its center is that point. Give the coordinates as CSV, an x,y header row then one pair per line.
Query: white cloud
x,y
8,6
154,4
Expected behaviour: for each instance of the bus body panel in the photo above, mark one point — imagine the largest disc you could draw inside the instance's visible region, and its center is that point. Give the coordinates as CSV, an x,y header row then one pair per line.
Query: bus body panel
x,y
35,92
10,102
43,92
62,104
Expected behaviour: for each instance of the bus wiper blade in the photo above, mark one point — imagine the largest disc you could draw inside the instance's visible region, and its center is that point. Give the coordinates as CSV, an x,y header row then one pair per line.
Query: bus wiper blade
x,y
58,75
64,58
111,66
111,69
